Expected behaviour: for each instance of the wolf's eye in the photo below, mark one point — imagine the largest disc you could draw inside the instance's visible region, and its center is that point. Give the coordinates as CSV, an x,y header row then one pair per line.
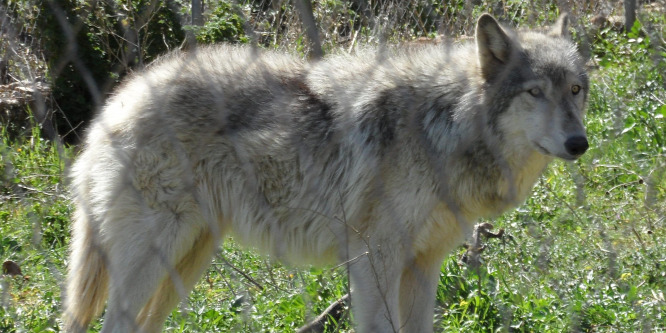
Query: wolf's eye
x,y
575,89
535,92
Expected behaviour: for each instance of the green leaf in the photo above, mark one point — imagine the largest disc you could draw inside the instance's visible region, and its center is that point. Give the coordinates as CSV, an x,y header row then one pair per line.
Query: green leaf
x,y
629,125
635,30
661,112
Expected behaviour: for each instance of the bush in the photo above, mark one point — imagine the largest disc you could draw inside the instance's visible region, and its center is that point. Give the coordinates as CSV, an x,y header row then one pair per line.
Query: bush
x,y
89,46
223,25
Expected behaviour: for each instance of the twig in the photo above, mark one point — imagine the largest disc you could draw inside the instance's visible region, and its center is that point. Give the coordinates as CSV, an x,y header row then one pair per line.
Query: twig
x,y
350,260
249,278
334,312
471,257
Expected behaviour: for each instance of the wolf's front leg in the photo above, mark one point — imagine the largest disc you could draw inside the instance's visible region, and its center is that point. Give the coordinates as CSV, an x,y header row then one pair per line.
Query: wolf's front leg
x,y
375,283
418,287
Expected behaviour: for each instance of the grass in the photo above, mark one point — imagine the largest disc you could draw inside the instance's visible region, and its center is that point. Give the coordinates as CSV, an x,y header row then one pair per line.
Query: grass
x,y
34,220
585,253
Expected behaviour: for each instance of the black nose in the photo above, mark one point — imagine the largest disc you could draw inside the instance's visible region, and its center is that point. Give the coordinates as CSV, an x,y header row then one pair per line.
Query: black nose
x,y
576,145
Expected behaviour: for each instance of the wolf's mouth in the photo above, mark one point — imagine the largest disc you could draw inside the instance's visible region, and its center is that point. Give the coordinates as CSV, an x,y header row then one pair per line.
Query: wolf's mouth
x,y
542,149
565,157
545,151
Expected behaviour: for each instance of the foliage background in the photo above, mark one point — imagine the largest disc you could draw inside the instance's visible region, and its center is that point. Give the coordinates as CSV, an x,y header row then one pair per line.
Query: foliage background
x,y
586,253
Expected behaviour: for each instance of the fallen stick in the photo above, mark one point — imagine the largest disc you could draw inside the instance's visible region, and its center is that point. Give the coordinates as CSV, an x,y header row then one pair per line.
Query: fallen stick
x,y
334,312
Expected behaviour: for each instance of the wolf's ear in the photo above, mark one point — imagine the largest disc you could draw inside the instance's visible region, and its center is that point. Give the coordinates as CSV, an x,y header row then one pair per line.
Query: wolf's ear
x,y
493,45
561,27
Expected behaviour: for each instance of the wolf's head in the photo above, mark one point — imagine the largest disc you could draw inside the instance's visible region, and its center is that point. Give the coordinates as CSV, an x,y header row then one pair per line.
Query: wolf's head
x,y
536,87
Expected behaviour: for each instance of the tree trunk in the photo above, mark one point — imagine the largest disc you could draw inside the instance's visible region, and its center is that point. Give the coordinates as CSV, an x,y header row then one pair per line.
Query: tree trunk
x,y
629,14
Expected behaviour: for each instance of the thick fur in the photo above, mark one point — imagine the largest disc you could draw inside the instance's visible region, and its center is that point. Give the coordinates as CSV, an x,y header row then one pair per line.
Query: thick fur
x,y
382,160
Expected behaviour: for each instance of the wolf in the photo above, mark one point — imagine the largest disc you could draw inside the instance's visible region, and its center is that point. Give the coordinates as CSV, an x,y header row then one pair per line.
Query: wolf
x,y
381,160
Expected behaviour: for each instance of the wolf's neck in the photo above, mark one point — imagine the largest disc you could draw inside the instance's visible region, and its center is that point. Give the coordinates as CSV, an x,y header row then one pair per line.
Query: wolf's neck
x,y
488,179
525,167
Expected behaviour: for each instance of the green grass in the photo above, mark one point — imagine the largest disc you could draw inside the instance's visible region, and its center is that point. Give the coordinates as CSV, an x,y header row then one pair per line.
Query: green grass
x,y
34,221
585,253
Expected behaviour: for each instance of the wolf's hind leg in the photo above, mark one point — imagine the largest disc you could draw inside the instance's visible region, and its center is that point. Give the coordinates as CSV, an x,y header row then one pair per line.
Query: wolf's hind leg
x,y
189,269
141,253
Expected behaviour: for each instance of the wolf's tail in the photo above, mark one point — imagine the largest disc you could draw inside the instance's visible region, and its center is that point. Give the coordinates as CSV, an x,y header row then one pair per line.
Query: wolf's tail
x,y
87,281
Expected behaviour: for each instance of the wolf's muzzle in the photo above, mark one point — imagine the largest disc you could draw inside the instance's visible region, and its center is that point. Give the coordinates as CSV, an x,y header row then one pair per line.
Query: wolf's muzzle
x,y
576,145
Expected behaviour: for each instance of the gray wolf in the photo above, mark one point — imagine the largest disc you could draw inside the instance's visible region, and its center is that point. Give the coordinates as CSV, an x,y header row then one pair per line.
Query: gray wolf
x,y
381,160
